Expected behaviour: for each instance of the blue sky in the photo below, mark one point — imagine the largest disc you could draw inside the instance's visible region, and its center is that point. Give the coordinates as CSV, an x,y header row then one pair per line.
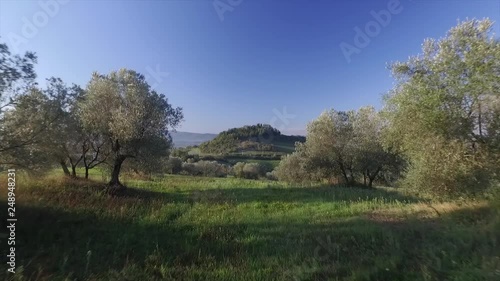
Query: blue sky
x,y
265,56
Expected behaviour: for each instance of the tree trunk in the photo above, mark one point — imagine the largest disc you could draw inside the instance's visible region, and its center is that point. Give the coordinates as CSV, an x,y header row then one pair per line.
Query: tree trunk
x,y
344,172
346,178
86,172
65,168
115,174
73,171
371,178
351,177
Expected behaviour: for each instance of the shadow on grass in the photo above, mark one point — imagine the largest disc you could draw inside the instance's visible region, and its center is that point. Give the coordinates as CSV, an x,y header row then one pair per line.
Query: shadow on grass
x,y
54,243
269,195
238,195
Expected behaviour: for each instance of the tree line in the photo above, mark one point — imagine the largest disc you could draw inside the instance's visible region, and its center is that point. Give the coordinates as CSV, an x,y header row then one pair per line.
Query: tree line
x,y
439,129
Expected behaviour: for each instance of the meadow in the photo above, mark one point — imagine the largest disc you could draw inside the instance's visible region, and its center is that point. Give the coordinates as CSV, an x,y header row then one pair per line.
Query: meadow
x,y
194,228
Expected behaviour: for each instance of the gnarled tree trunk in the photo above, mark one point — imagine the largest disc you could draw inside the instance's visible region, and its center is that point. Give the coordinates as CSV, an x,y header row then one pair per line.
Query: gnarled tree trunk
x,y
64,167
115,173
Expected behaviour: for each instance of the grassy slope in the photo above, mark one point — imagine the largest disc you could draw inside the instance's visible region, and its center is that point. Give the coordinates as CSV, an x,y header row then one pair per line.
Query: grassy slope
x,y
185,228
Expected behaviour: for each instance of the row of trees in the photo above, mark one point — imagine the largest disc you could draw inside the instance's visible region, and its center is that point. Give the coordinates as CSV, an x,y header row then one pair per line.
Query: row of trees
x,y
439,128
114,118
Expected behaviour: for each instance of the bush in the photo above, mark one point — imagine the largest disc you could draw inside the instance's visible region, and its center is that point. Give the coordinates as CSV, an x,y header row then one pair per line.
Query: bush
x,y
252,170
206,169
292,169
190,169
447,168
248,170
271,176
238,169
212,169
174,165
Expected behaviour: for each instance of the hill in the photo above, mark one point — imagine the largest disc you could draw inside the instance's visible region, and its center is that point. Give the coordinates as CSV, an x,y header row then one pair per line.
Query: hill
x,y
183,139
260,138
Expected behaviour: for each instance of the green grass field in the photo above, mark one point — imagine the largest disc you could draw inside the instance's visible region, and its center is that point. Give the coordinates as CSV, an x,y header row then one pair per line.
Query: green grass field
x,y
187,228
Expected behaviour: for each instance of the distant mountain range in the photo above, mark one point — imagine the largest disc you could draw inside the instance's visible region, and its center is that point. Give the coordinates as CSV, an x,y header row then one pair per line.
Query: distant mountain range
x,y
183,139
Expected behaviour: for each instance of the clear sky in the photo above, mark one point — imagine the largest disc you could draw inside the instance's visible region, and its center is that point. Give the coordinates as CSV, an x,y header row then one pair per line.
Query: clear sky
x,y
263,57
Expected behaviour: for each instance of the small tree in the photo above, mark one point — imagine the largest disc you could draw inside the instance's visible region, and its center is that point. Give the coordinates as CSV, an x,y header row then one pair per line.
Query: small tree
x,y
330,146
371,158
134,118
64,137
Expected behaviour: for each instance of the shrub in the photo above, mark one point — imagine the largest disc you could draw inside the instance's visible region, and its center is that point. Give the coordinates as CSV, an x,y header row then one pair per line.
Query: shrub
x,y
238,170
190,169
252,170
247,170
271,176
174,165
447,168
212,169
206,169
292,169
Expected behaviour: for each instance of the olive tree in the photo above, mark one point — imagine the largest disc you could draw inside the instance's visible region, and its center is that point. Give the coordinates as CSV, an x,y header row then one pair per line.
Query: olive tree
x,y
330,145
292,167
133,118
445,109
17,76
340,146
371,158
64,138
23,131
41,128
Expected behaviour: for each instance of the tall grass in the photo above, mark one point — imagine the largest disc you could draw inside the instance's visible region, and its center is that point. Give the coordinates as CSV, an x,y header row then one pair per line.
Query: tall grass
x,y
189,228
